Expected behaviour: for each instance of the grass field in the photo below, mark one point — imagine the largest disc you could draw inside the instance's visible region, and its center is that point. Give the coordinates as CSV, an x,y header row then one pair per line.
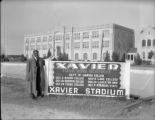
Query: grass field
x,y
16,104
141,78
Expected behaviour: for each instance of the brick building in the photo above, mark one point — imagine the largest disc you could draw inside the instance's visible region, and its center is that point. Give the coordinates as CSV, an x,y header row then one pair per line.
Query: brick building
x,y
83,43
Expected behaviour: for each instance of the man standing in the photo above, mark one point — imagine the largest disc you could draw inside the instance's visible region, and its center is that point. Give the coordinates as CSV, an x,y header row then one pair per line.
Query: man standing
x,y
35,75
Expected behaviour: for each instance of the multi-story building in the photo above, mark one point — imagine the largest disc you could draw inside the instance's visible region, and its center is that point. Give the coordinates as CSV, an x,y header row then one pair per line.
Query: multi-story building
x,y
147,43
84,43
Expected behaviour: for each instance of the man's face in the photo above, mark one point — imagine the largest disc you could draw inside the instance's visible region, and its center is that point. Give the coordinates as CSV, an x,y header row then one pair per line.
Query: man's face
x,y
36,54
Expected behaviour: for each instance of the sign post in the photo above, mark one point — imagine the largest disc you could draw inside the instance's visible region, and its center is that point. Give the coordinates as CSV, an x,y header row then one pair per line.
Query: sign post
x,y
106,79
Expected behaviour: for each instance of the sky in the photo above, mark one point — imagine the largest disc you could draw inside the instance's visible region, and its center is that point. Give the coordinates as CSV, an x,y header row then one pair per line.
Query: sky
x,y
22,17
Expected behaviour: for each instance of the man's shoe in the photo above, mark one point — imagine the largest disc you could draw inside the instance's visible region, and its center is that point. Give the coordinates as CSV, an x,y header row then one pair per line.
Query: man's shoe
x,y
42,95
33,97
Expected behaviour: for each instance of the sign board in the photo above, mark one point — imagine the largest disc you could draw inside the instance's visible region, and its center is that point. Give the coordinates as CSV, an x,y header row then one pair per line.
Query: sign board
x,y
108,79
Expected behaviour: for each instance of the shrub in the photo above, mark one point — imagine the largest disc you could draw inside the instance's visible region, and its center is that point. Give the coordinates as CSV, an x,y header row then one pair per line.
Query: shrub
x,y
137,60
123,58
49,53
2,57
107,57
23,58
63,57
150,54
115,57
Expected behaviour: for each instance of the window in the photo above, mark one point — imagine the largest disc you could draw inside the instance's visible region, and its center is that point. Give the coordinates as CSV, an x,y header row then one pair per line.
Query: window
x,y
154,42
143,55
67,36
106,33
85,45
26,47
77,45
95,34
44,47
50,38
58,50
143,43
44,39
27,40
38,39
76,36
86,35
95,44
32,47
85,56
131,57
104,55
67,46
49,45
94,56
44,55
58,37
105,44
148,42
38,47
128,57
32,40
76,56
148,55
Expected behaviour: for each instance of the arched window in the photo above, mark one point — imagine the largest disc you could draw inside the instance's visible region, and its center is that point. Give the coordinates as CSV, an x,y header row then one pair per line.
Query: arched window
x,y
76,56
154,42
143,43
128,57
58,50
94,56
85,56
143,55
148,42
104,55
131,57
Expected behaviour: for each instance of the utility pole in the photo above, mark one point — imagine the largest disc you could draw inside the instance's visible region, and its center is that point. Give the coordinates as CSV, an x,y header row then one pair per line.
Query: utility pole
x,y
54,43
64,40
101,45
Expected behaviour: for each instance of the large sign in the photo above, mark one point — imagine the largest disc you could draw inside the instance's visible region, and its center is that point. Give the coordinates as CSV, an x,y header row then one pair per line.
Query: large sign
x,y
88,78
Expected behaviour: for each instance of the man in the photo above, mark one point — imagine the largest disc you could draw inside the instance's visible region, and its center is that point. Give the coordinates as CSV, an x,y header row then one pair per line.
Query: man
x,y
35,75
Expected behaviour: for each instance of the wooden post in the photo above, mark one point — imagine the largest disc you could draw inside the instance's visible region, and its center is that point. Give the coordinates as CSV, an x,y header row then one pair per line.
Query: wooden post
x,y
72,44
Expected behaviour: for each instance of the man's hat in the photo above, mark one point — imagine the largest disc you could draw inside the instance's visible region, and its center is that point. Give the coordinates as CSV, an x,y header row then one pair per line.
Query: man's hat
x,y
35,51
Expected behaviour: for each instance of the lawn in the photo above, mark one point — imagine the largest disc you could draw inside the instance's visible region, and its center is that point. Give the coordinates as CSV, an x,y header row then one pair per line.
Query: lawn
x,y
141,78
16,104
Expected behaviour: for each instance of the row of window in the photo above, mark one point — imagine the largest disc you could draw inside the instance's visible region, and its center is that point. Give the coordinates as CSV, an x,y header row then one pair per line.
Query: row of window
x,y
145,55
38,47
39,39
85,56
85,45
76,36
148,43
131,57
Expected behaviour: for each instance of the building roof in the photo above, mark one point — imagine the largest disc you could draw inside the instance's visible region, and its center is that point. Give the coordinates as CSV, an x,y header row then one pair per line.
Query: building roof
x,y
147,28
132,50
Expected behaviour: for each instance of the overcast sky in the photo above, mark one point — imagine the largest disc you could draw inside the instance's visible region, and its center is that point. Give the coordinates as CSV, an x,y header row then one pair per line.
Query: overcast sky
x,y
21,17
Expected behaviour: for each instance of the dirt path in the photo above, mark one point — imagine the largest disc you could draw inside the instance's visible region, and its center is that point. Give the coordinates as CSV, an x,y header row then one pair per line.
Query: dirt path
x,y
16,104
